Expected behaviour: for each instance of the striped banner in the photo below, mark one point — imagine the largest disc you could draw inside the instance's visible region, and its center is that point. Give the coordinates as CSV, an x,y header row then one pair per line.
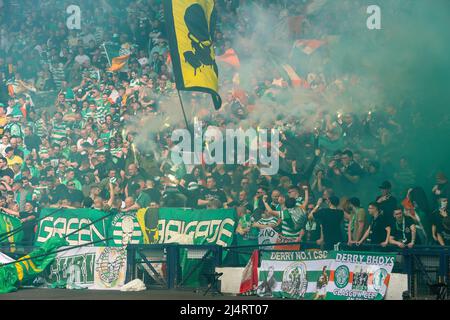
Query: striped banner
x,y
293,275
125,229
322,275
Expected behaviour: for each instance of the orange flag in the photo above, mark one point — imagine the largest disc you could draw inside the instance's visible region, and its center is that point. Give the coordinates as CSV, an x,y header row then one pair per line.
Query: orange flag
x,y
231,58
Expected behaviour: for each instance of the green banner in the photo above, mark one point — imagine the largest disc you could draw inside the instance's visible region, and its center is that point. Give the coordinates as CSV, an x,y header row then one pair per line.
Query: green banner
x,y
122,227
7,225
203,226
67,221
322,275
184,225
200,227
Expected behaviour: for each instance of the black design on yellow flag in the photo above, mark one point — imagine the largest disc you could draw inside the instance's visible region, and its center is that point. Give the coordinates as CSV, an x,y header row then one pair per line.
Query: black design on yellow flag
x,y
191,28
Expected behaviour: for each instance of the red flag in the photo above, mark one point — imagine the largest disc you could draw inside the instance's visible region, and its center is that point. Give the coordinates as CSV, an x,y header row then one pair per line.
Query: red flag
x,y
249,280
230,57
296,81
309,46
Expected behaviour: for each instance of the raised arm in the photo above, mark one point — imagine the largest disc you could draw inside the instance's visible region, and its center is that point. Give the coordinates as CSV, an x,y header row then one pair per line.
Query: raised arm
x,y
305,203
111,195
269,209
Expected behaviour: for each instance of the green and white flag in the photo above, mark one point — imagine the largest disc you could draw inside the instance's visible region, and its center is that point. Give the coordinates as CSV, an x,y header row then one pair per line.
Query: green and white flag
x,y
26,269
204,226
124,228
98,268
362,276
294,274
67,221
322,275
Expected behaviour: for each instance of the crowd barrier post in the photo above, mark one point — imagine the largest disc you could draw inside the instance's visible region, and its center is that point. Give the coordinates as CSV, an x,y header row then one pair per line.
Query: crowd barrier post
x,y
172,265
131,263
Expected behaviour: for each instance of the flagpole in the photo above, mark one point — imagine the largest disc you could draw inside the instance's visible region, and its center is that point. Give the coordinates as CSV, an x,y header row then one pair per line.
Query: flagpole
x,y
107,55
184,113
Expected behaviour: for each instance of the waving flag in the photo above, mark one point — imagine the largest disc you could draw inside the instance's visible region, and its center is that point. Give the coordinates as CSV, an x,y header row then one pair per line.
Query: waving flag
x,y
118,56
19,86
28,267
296,81
191,29
308,46
231,58
249,281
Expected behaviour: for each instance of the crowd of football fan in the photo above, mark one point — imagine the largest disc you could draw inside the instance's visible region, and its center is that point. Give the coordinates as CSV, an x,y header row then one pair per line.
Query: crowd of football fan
x,y
80,151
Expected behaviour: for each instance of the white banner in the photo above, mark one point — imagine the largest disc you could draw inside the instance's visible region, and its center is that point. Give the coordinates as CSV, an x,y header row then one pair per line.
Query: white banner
x,y
99,268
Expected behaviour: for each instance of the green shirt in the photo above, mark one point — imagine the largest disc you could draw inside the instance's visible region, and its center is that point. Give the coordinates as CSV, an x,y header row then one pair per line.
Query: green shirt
x,y
288,227
59,131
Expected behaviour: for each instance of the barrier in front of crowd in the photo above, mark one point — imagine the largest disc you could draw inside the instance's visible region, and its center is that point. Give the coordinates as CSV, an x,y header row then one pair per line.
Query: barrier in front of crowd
x,y
173,266
427,267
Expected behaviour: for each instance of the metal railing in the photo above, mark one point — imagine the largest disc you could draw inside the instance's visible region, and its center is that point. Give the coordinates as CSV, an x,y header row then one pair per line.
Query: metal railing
x,y
143,260
427,267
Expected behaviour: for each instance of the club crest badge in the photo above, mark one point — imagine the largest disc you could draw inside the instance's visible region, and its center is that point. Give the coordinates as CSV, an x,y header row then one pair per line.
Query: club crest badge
x,y
341,276
295,280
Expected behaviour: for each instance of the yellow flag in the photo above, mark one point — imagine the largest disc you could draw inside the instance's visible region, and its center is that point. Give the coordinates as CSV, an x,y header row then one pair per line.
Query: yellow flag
x,y
191,28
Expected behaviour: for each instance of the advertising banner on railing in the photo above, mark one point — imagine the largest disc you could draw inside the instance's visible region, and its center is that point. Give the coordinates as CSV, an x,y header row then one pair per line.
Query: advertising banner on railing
x,y
322,275
99,268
